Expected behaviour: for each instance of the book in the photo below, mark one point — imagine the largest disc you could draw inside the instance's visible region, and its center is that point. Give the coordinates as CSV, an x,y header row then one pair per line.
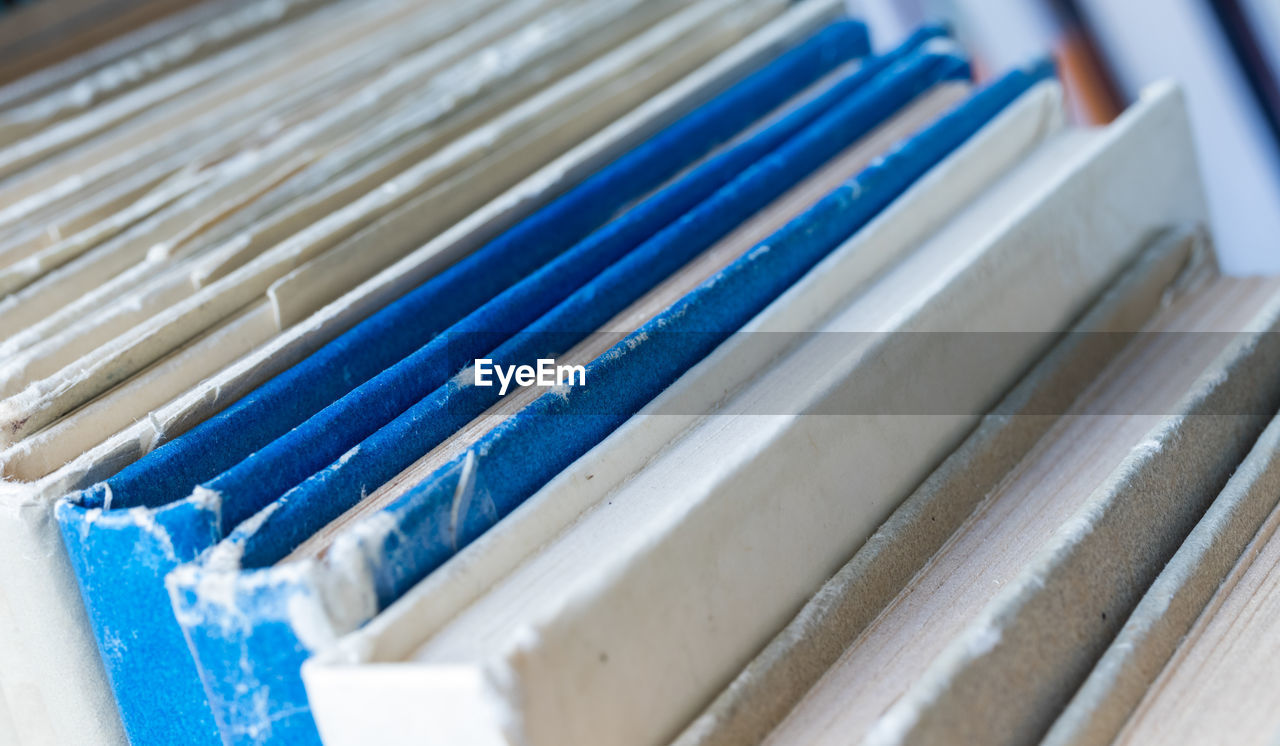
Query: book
x,y
704,266
763,693
107,515
300,293
620,72
1203,597
535,317
50,38
1073,589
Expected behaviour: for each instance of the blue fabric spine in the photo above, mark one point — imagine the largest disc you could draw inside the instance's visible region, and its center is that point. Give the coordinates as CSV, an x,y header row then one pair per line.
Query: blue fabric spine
x,y
373,433
171,471
126,533
246,638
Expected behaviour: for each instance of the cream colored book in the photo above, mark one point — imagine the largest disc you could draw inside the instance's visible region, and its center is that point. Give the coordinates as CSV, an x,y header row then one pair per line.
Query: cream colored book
x,y
50,657
133,43
146,109
239,206
975,609
60,196
303,98
300,293
1195,661
1224,670
689,561
921,210
56,379
765,691
1018,599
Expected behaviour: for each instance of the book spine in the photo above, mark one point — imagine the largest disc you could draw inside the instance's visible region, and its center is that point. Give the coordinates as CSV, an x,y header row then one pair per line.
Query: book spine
x,y
120,559
1152,635
50,674
768,688
1075,589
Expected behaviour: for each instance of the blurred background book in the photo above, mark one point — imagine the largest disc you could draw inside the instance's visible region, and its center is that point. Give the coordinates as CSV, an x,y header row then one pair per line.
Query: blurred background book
x,y
1225,53
40,34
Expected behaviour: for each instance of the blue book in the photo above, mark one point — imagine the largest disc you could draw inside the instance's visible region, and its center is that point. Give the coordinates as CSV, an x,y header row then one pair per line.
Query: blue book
x,y
127,532
252,616
324,466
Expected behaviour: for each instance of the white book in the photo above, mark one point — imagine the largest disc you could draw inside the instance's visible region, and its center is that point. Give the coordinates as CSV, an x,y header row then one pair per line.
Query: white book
x,y
423,199
983,642
852,601
509,146
975,609
477,646
1206,618
1147,40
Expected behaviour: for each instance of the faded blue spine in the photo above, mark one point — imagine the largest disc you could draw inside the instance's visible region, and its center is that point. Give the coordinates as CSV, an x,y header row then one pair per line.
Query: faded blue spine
x,y
557,315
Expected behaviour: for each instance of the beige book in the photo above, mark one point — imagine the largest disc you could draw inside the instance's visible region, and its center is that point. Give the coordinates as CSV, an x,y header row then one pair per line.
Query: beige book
x,y
349,697
997,625
311,286
71,193
59,137
1221,682
241,205
132,60
771,685
244,106
135,58
553,120
42,37
129,298
1063,608
1195,662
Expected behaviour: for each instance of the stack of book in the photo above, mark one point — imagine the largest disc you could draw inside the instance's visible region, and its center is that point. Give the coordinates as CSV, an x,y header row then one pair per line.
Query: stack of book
x,y
564,372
